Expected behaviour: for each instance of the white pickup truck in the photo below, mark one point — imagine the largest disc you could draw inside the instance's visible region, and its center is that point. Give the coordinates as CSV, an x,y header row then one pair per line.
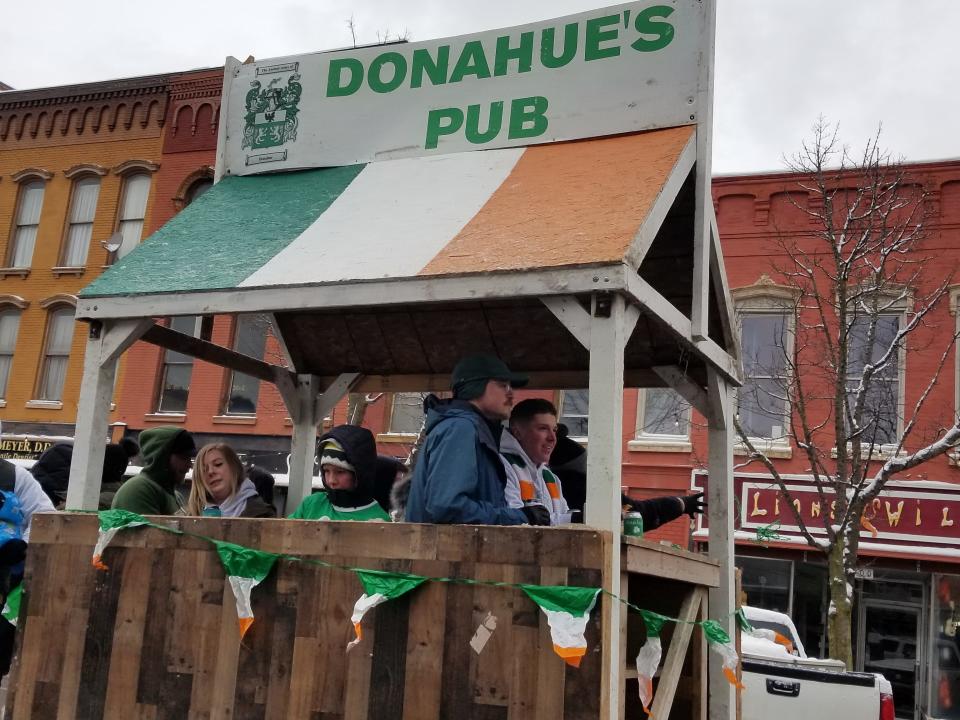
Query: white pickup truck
x,y
782,683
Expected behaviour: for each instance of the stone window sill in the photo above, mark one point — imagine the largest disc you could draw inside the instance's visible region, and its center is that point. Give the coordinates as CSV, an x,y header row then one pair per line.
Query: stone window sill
x,y
234,419
877,453
165,417
3,403
14,272
59,272
774,450
651,443
401,438
44,404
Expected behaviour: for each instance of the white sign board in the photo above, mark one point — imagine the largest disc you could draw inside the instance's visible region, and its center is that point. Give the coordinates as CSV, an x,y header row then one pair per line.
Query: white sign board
x,y
619,69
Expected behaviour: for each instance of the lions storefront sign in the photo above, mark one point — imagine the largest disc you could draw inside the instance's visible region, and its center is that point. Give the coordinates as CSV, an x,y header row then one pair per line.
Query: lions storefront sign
x,y
620,69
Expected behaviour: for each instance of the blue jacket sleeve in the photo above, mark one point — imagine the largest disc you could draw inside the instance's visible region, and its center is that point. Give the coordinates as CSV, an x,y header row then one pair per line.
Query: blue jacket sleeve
x,y
453,482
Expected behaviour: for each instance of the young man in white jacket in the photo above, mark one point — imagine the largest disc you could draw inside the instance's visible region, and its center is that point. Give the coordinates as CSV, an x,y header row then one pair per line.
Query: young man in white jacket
x,y
525,450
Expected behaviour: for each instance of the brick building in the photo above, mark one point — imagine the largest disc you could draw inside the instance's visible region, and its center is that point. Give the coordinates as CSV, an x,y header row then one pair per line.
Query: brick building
x,y
77,168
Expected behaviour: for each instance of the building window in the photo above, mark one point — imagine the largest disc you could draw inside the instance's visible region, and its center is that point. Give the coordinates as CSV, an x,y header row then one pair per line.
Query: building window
x,y
9,325
406,413
83,206
27,221
768,584
133,206
762,402
575,412
176,371
250,338
663,413
56,356
880,417
198,189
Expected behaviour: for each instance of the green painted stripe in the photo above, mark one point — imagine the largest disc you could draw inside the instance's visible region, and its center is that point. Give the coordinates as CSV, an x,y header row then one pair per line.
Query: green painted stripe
x,y
226,234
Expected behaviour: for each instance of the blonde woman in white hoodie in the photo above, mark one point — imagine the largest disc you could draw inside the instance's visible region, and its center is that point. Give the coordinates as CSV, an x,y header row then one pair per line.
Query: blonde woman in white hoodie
x,y
220,486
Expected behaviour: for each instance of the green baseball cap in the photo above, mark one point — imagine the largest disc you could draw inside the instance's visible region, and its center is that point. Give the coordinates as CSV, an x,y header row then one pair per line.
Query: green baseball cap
x,y
474,368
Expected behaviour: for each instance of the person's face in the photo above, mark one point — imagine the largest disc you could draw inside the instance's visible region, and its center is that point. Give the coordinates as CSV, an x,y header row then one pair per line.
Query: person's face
x,y
537,436
496,401
337,478
218,475
180,465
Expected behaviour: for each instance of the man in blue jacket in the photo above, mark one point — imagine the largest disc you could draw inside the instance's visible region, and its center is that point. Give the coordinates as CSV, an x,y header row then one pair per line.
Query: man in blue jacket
x,y
459,477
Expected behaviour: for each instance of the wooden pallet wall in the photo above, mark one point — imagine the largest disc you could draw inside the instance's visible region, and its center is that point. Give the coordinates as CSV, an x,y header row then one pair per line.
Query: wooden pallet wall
x,y
156,637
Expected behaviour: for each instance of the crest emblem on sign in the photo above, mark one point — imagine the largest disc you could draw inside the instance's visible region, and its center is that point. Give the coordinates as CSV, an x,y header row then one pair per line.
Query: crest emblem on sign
x,y
271,113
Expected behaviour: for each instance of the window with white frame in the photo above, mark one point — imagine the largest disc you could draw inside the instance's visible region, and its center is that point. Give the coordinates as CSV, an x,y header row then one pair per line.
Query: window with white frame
x,y
29,204
9,326
880,415
762,401
406,413
176,371
83,207
662,415
575,412
250,338
56,355
133,207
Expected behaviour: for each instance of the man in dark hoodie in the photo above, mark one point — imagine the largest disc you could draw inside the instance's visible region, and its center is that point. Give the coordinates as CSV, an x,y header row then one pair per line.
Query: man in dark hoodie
x,y
52,470
348,458
167,454
459,477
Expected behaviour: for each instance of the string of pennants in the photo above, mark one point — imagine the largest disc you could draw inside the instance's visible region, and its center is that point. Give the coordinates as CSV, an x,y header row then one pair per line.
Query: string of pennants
x,y
567,608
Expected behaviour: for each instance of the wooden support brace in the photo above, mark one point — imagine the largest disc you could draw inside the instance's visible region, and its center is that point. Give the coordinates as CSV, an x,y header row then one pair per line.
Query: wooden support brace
x,y
571,314
688,390
676,654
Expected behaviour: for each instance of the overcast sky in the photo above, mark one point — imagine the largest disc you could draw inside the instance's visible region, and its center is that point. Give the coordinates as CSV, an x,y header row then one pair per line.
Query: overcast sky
x,y
779,64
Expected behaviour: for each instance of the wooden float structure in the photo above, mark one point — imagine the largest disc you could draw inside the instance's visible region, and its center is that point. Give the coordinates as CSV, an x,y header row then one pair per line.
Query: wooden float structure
x,y
586,259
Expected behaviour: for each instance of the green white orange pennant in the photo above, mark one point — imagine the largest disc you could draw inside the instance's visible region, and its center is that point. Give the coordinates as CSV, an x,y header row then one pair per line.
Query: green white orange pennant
x,y
719,641
245,569
112,522
648,659
379,586
568,610
11,608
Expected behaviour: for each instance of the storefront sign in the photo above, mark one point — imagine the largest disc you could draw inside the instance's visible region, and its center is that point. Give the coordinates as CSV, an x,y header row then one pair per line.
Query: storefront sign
x,y
906,513
23,448
620,69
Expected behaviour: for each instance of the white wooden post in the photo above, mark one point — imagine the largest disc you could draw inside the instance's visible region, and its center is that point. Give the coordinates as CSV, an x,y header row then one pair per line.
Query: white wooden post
x,y
105,343
611,324
723,704
303,444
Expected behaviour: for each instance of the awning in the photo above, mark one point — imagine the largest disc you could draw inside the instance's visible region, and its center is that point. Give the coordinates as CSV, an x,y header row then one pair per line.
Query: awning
x,y
543,207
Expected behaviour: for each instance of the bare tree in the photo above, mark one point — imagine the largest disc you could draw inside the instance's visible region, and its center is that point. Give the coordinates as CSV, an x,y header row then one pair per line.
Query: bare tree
x,y
862,294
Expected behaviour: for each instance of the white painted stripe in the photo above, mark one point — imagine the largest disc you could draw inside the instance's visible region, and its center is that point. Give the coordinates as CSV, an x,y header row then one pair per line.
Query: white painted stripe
x,y
391,220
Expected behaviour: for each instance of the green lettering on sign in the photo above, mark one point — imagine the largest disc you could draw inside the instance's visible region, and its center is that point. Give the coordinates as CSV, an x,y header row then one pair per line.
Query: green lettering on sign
x,y
645,24
523,54
374,78
528,117
443,121
336,86
548,56
472,128
472,61
597,35
434,67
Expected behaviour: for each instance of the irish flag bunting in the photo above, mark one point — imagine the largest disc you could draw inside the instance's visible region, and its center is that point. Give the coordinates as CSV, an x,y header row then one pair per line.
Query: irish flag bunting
x,y
568,611
11,608
112,522
245,569
719,641
379,586
648,659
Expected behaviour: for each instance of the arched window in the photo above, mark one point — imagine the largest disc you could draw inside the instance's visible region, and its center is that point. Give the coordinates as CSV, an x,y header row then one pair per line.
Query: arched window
x,y
176,371
198,189
133,207
56,353
9,326
26,223
83,207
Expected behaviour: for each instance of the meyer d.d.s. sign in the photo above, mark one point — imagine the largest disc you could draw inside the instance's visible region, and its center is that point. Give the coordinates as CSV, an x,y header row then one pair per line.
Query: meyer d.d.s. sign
x,y
619,69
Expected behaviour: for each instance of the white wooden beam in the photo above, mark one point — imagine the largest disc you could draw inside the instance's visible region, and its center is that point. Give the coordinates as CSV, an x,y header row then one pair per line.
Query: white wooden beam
x,y
721,539
303,443
402,291
673,376
105,343
643,240
230,70
571,315
334,393
699,314
719,274
610,326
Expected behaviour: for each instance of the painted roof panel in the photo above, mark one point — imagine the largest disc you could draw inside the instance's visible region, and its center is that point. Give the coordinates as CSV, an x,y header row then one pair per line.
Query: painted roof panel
x,y
226,234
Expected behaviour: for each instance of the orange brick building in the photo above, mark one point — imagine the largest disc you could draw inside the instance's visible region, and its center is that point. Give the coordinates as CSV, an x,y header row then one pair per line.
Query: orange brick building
x,y
77,166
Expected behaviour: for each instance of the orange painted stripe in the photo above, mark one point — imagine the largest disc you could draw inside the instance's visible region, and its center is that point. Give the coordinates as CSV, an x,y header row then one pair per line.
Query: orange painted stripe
x,y
571,203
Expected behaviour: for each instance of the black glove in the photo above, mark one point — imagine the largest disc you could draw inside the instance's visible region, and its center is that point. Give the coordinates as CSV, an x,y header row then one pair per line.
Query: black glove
x,y
536,514
694,504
